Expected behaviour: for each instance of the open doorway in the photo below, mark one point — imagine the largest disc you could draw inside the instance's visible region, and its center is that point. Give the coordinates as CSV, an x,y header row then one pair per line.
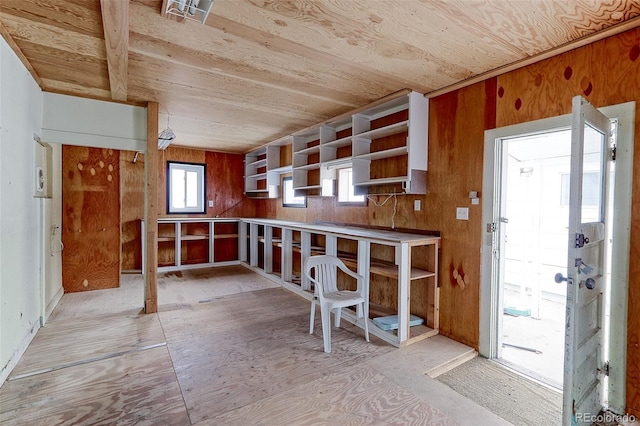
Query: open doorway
x,y
525,283
535,215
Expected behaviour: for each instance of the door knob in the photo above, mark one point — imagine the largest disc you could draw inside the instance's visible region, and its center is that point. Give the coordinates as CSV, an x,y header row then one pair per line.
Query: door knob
x,y
590,283
559,278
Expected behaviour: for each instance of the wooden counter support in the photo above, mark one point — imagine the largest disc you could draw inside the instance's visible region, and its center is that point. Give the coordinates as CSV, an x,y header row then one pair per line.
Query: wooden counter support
x,y
305,251
287,255
253,244
268,249
404,286
242,244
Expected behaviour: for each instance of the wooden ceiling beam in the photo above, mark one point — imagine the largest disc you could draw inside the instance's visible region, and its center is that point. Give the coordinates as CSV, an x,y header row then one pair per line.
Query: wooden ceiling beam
x,y
12,44
115,21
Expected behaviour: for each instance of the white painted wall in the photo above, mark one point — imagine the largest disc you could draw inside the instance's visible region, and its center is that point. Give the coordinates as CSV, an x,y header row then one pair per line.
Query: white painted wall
x,y
87,122
52,236
21,104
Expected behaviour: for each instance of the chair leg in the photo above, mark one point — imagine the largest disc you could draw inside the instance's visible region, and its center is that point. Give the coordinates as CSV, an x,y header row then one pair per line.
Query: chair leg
x,y
338,314
325,313
312,317
365,308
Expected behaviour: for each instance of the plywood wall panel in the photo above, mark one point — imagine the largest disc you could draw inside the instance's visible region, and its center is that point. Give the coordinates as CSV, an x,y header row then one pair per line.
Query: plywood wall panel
x,y
132,207
456,139
605,73
173,153
225,183
91,218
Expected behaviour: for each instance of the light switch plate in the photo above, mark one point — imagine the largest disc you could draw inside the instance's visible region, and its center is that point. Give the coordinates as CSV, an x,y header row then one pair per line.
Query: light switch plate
x,y
462,213
416,205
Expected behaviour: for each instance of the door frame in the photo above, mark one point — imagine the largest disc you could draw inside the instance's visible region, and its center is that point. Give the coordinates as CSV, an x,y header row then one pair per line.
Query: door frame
x,y
489,292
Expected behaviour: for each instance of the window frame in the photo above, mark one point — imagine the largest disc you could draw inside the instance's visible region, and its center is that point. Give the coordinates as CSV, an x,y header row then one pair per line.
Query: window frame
x,y
201,169
362,203
284,195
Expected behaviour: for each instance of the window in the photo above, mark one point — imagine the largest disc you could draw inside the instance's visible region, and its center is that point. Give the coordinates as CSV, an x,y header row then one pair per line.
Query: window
x,y
590,189
346,190
288,197
185,187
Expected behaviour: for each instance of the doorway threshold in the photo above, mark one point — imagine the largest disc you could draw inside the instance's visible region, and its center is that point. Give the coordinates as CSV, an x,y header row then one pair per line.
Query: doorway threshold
x,y
530,374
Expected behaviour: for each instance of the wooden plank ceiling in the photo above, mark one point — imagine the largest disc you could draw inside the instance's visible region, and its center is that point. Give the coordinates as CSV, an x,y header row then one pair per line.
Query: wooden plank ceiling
x,y
261,69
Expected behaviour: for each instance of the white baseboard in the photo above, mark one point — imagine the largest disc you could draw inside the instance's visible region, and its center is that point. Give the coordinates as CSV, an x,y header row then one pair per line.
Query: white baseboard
x,y
52,304
17,354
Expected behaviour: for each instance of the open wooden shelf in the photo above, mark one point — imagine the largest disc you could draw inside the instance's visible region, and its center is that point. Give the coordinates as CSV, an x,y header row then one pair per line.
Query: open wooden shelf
x,y
223,236
338,143
194,237
382,132
198,242
386,153
309,150
384,268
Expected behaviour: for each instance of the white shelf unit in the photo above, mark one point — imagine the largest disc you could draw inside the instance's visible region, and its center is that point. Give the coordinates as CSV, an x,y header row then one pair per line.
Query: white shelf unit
x,y
306,160
214,240
413,268
262,171
368,144
362,131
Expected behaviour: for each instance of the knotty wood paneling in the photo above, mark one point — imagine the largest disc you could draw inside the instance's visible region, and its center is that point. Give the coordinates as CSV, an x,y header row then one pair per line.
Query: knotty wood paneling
x,y
605,73
91,218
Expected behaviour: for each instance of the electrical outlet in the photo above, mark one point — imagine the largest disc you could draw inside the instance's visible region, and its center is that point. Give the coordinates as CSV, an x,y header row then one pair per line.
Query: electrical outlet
x,y
210,203
416,205
462,213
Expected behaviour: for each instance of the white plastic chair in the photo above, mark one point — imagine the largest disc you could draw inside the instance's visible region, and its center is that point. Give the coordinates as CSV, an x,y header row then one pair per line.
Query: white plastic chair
x,y
327,295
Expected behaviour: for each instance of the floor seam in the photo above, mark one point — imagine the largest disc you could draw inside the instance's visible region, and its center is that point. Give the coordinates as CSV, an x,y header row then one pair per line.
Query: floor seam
x,y
173,367
84,361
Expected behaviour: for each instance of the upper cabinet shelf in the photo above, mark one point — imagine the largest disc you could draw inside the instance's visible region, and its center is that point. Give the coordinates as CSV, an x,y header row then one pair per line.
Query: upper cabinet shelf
x,y
381,132
262,169
384,142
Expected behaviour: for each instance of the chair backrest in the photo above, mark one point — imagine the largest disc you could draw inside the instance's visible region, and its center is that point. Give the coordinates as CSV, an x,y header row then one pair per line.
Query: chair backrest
x,y
326,272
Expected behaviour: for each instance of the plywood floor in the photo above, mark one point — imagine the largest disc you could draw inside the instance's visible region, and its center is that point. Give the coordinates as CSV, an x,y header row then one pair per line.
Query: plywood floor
x,y
228,347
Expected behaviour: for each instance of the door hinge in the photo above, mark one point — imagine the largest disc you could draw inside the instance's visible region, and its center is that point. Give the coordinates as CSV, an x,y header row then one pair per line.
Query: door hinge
x,y
613,153
492,227
605,368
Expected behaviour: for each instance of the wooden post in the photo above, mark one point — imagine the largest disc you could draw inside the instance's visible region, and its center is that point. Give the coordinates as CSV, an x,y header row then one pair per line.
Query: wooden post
x,y
151,211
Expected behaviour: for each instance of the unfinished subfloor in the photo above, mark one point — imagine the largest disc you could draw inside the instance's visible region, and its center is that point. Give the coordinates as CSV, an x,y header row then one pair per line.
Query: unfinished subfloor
x,y
228,347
